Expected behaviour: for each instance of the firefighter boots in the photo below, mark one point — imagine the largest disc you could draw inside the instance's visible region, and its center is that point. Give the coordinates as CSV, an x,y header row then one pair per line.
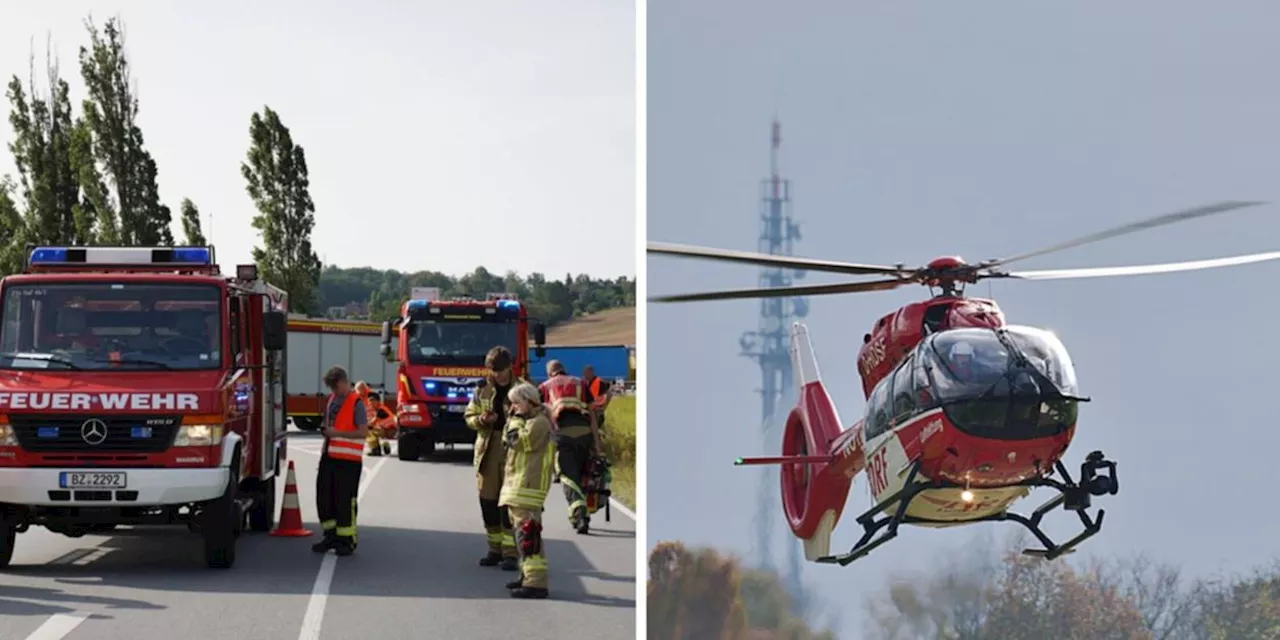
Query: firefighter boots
x,y
344,546
510,564
581,521
329,541
491,559
529,593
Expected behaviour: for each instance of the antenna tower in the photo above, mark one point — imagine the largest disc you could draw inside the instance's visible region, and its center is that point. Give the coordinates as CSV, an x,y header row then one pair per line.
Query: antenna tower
x,y
768,347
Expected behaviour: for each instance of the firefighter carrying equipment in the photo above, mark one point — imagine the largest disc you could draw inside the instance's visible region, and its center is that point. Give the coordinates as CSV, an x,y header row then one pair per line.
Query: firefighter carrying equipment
x,y
488,461
563,395
527,475
343,448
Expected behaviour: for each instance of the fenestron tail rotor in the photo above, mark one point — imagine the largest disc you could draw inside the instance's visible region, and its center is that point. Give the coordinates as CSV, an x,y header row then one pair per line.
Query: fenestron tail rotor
x,y
954,270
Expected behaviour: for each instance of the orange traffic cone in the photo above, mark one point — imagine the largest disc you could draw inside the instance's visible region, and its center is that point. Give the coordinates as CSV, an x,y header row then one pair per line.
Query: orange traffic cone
x,y
290,525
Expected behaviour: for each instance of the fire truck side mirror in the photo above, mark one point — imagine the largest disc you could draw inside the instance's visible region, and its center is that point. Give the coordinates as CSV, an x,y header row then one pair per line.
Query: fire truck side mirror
x,y
275,330
539,336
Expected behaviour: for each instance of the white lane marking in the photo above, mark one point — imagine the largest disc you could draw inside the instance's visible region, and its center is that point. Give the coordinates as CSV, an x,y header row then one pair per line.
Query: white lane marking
x,y
319,598
92,556
58,626
623,508
324,579
72,556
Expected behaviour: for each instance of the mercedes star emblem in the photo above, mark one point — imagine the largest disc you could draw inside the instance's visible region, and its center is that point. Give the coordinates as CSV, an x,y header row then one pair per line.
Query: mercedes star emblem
x,y
94,431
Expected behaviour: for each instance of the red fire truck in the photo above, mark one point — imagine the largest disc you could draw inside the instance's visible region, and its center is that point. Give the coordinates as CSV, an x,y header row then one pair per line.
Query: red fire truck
x,y
440,356
140,387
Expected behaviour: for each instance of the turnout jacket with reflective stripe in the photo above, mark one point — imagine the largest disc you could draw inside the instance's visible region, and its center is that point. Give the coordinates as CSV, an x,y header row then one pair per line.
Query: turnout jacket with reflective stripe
x,y
482,402
530,464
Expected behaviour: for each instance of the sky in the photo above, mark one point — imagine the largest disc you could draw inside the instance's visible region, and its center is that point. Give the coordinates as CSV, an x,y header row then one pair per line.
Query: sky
x,y
508,124
919,129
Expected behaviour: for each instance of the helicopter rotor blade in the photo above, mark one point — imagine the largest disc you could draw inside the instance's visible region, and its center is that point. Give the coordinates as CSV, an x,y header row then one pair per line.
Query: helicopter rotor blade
x,y
1137,270
786,292
775,261
1149,223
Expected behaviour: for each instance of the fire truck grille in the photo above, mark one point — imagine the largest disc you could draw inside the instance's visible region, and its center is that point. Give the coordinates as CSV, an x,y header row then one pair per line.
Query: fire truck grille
x,y
114,434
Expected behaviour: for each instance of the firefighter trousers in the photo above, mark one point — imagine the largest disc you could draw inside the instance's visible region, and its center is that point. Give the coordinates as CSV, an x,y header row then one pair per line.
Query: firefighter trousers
x,y
337,484
497,520
533,553
572,453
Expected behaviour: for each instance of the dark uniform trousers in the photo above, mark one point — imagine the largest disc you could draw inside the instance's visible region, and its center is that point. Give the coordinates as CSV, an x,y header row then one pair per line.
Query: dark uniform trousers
x,y
337,484
574,447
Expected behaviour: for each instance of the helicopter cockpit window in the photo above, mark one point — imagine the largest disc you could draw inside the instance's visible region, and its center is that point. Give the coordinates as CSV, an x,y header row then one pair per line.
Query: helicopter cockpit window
x,y
1014,384
904,400
878,409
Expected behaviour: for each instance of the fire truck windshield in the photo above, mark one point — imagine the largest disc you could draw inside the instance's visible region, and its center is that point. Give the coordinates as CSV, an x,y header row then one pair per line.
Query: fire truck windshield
x,y
457,342
127,326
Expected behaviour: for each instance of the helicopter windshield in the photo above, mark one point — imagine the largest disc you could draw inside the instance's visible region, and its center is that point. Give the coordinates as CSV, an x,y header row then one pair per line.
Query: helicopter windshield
x,y
1013,383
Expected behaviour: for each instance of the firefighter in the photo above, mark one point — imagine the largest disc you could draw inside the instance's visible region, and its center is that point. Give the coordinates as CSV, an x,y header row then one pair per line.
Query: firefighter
x,y
381,423
341,464
486,414
598,394
576,436
526,480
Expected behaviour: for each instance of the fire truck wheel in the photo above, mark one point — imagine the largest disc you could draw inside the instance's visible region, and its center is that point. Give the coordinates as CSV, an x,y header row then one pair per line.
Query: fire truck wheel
x,y
407,445
263,514
219,520
8,537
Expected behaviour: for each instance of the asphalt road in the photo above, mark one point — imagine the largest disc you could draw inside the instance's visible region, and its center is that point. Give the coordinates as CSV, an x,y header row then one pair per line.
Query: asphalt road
x,y
415,575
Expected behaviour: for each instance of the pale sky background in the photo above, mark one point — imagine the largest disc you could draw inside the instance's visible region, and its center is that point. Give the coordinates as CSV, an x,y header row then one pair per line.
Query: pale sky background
x,y
919,129
439,135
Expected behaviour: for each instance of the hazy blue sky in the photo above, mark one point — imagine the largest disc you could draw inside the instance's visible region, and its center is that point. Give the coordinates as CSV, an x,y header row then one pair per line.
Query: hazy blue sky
x,y
913,130
425,123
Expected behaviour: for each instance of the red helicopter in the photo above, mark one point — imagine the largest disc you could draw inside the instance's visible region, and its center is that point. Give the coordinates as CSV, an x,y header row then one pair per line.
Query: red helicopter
x,y
965,414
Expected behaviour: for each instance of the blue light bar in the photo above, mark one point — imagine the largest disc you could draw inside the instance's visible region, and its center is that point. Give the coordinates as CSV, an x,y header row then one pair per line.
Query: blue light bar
x,y
122,255
508,304
195,255
418,304
48,254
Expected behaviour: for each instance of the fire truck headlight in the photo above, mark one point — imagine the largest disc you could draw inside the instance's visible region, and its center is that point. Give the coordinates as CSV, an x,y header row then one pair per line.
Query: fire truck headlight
x,y
198,435
7,437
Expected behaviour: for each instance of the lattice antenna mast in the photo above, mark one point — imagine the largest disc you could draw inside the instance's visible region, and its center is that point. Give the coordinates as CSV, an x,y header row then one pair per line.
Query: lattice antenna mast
x,y
768,347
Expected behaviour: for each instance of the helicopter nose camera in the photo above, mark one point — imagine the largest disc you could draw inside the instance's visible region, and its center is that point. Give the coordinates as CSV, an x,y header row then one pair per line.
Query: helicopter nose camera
x,y
1092,483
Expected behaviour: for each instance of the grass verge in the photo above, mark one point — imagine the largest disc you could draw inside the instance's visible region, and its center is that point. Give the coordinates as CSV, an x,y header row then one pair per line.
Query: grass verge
x,y
620,446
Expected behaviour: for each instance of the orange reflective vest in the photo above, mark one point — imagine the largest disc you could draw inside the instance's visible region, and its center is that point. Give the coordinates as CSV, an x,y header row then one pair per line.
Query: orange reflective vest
x,y
563,391
595,387
340,448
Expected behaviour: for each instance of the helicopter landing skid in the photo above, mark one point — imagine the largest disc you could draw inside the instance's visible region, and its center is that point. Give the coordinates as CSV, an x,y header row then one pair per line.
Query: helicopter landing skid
x,y
1072,496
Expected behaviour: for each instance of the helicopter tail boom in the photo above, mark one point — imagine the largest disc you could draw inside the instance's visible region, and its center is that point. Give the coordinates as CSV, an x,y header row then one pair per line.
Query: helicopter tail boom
x,y
819,459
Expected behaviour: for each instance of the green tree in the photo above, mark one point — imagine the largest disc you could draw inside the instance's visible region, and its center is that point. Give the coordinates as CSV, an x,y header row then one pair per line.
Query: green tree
x,y
42,149
11,227
277,181
191,223
384,290
110,113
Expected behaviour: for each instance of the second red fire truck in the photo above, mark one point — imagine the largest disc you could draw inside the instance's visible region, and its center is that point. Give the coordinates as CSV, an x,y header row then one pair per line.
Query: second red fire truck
x,y
440,353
